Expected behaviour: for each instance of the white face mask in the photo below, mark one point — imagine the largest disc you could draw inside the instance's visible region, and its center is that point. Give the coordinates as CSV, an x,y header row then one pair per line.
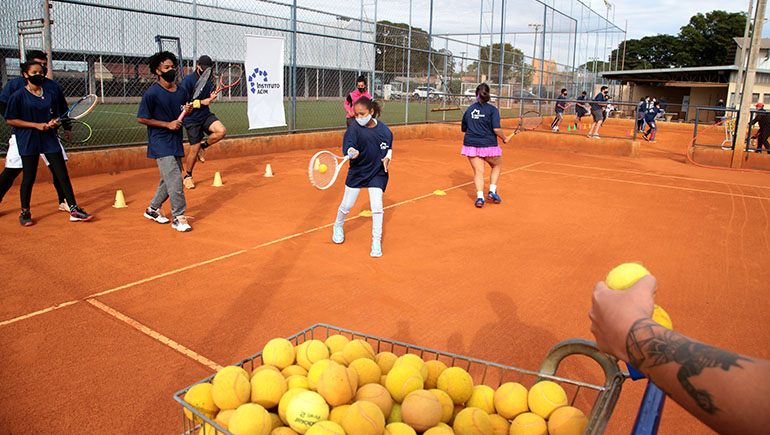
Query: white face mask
x,y
363,121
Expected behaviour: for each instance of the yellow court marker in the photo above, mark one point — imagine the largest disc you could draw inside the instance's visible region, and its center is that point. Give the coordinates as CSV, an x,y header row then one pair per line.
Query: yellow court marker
x,y
366,213
439,192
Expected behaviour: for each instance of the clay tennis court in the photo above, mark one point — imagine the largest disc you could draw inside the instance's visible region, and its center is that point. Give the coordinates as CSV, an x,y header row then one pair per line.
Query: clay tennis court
x,y
103,322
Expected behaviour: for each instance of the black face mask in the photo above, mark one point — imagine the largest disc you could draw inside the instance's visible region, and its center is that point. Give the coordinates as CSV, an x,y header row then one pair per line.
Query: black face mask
x,y
362,90
169,75
36,80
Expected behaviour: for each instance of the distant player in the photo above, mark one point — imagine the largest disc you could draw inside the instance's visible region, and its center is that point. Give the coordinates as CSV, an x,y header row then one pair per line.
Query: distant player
x,y
649,119
762,118
581,109
597,112
641,108
159,110
370,144
481,125
561,106
201,121
352,97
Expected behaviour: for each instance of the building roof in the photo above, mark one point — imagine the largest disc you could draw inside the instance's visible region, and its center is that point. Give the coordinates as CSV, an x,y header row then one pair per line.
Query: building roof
x,y
704,74
764,42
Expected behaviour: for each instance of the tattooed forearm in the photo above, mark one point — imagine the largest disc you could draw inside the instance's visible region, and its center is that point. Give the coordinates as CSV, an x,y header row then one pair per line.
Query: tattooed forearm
x,y
649,345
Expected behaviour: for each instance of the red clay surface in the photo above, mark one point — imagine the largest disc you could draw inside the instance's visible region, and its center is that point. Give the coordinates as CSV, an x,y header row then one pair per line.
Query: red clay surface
x,y
503,283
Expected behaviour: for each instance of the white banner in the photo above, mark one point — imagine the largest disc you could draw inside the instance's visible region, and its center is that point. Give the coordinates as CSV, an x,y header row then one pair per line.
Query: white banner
x,y
264,81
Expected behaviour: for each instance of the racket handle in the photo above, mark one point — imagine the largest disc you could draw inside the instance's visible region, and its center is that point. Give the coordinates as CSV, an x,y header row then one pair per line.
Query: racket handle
x,y
511,135
181,115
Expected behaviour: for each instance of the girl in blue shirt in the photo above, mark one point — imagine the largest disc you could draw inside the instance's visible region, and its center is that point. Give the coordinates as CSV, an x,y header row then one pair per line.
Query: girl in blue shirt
x,y
481,125
369,143
32,114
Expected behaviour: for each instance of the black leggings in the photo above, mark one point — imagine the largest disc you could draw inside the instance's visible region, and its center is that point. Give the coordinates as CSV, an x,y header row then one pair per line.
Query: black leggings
x,y
8,176
58,169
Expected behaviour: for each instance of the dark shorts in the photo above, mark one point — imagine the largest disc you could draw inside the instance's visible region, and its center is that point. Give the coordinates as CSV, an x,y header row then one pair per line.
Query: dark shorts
x,y
598,115
196,130
580,112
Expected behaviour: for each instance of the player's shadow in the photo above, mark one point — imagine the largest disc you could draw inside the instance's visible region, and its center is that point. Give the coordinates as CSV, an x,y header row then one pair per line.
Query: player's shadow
x,y
458,177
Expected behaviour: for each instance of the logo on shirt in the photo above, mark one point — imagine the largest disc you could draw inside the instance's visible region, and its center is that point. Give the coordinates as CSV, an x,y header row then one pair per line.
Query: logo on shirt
x,y
258,83
383,145
476,114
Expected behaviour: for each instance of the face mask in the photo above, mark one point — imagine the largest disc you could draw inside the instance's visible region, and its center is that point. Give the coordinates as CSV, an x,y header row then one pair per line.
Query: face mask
x,y
169,75
363,121
36,80
362,90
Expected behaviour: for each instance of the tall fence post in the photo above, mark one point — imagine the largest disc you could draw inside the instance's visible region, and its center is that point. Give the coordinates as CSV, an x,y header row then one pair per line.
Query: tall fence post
x,y
294,65
46,36
408,66
502,52
430,51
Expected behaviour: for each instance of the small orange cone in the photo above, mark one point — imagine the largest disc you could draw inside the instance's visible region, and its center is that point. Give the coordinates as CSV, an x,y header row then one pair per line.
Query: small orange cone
x,y
120,200
268,171
218,180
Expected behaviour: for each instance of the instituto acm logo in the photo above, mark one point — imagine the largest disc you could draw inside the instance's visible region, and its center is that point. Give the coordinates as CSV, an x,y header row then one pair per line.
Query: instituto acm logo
x,y
259,83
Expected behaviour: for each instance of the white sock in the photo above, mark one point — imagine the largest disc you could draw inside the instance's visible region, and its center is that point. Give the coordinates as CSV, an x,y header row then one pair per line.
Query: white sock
x,y
480,194
493,188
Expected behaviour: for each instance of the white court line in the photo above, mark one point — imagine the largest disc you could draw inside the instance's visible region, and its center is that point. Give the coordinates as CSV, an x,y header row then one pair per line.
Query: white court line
x,y
232,254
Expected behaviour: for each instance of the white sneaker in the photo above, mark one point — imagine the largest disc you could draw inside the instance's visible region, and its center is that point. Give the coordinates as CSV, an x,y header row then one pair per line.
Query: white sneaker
x,y
180,224
338,236
64,206
376,249
156,215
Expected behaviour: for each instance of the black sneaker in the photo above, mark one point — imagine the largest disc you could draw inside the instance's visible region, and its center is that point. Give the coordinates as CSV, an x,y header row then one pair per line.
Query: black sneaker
x,y
155,215
78,214
25,218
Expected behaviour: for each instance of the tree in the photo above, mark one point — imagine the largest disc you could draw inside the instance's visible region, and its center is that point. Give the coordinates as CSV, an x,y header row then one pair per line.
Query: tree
x,y
513,64
660,51
394,59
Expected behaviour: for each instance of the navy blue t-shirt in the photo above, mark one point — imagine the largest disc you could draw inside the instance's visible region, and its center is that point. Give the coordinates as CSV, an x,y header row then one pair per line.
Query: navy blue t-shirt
x,y
50,87
560,105
373,144
599,97
479,122
25,106
651,113
578,107
162,105
188,84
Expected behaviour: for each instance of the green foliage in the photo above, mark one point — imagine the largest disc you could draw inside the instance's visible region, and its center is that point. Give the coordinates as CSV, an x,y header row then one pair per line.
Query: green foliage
x,y
513,64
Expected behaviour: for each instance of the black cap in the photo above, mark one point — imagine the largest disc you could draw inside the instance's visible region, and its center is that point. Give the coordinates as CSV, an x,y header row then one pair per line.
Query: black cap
x,y
205,61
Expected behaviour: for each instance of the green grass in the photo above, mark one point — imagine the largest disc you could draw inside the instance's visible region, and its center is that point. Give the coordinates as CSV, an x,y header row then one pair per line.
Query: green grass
x,y
115,124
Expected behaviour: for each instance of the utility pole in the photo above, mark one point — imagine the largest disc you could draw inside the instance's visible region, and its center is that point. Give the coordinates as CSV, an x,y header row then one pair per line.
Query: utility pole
x,y
742,57
534,48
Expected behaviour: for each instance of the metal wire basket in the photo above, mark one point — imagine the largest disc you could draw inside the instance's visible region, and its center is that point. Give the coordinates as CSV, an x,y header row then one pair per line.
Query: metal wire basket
x,y
603,398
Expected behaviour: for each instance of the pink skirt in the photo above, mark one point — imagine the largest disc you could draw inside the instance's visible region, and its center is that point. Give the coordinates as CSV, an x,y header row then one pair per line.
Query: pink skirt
x,y
482,152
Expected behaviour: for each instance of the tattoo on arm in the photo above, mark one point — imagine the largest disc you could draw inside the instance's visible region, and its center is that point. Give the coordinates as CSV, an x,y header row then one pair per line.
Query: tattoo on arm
x,y
649,345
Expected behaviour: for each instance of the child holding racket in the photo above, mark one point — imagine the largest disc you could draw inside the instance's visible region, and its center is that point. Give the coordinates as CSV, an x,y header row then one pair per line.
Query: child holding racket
x,y
369,145
351,99
159,110
481,125
32,114
201,121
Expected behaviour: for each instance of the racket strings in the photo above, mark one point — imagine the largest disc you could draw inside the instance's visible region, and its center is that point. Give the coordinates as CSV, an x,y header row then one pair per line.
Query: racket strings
x,y
323,169
230,76
82,107
75,132
531,122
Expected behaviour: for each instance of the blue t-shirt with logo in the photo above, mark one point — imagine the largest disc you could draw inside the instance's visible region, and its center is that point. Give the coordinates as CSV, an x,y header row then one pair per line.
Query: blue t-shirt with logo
x,y
479,122
578,108
373,145
560,105
163,105
650,114
601,98
50,87
25,106
188,84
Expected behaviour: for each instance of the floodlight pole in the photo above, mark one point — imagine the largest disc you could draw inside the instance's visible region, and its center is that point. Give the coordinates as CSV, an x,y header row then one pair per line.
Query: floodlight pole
x,y
742,57
748,86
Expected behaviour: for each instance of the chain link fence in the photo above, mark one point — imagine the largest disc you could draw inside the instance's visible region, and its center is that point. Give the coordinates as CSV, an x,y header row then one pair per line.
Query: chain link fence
x,y
421,68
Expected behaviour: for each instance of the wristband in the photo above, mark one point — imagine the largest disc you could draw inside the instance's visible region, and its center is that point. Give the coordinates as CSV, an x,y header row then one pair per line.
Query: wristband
x,y
197,104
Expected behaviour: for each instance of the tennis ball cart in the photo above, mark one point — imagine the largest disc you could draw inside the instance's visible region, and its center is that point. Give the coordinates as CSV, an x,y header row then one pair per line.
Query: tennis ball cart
x,y
601,398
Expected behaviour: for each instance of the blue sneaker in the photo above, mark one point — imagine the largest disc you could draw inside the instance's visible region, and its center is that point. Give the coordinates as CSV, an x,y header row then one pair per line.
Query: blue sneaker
x,y
338,236
494,197
376,249
479,202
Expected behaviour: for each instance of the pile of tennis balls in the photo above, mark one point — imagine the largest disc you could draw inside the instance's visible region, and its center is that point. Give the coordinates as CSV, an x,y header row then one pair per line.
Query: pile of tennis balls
x,y
341,386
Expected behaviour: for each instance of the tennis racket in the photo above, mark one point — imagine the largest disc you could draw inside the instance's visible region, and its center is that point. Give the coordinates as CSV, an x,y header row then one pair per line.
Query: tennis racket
x,y
529,121
79,132
229,78
320,169
198,89
81,108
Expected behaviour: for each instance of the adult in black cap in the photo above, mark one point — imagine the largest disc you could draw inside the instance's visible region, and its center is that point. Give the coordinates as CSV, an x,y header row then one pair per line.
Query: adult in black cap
x,y
201,121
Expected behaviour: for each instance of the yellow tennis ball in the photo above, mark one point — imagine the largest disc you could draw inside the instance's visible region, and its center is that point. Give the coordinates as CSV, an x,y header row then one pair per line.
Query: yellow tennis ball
x,y
457,383
435,368
625,275
283,405
315,372
439,430
200,397
544,397
337,412
336,342
661,317
367,370
402,380
231,388
358,349
263,368
511,400
395,414
421,409
278,352
414,361
500,426
275,420
528,423
482,397
337,384
322,168
310,352
472,421
567,421
363,418
376,394
447,406
230,368
385,360
293,370
325,428
305,410
267,388
399,429
250,419
339,358
297,381
223,417
283,430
